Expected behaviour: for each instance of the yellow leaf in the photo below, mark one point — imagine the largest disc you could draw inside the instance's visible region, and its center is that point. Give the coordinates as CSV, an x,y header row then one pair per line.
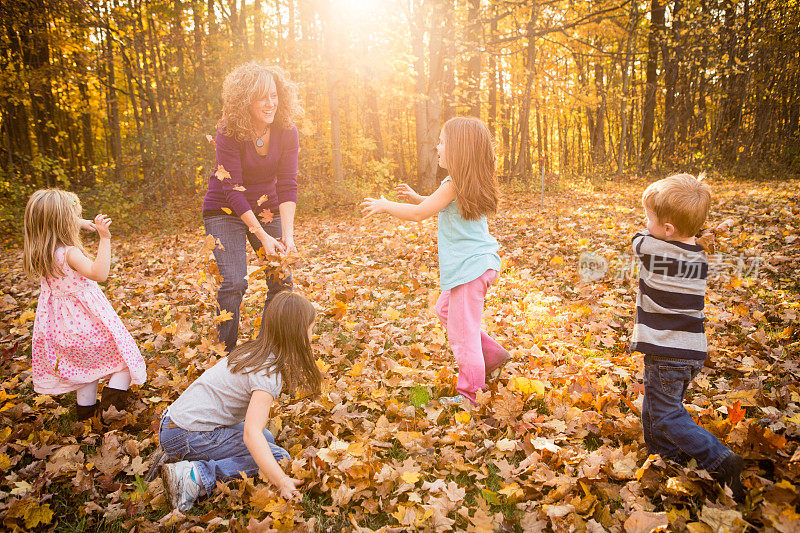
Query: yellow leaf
x,y
410,477
512,492
356,370
239,188
210,139
262,199
356,449
37,514
228,211
462,417
556,260
224,316
527,386
5,462
391,313
323,366
26,316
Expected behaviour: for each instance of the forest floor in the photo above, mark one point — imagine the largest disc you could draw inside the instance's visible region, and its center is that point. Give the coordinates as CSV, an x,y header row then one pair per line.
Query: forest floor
x,y
556,443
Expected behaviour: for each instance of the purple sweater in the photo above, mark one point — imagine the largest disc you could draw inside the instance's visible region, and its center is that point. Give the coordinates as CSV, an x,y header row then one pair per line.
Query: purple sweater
x,y
274,174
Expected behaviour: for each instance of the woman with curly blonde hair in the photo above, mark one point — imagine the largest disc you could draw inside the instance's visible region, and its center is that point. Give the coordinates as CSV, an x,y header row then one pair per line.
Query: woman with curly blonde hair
x,y
252,193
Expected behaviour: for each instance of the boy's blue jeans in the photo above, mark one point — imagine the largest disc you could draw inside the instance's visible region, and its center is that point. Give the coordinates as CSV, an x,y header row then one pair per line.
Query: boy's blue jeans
x,y
669,430
216,454
233,233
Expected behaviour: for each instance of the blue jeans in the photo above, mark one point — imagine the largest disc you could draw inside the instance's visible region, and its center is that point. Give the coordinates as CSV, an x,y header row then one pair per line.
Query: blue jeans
x,y
669,430
216,454
232,263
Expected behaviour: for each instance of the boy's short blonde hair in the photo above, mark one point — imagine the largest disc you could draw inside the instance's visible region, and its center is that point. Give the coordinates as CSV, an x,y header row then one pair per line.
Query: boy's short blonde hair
x,y
682,200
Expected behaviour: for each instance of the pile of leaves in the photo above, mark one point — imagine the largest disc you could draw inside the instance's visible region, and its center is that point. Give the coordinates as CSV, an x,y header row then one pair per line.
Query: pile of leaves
x,y
556,442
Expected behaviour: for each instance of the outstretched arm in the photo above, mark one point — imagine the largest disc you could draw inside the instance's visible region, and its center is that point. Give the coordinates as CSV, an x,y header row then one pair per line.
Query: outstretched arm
x,y
429,206
254,423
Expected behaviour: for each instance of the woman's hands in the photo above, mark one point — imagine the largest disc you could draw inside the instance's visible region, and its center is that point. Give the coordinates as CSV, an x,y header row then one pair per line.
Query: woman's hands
x,y
373,206
288,488
405,191
101,224
288,244
270,244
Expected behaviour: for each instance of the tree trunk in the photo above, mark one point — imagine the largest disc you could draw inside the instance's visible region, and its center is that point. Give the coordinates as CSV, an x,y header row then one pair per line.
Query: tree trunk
x,y
428,109
473,73
623,116
649,107
523,167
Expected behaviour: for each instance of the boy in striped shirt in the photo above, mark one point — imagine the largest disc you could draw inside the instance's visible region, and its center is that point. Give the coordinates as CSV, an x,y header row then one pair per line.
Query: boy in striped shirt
x,y
669,328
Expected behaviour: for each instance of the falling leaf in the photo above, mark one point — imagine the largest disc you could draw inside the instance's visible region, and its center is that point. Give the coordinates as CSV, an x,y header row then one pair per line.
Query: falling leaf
x,y
211,140
266,215
222,174
263,198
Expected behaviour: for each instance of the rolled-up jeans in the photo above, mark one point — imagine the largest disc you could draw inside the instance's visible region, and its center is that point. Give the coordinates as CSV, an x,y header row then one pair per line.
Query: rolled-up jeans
x,y
669,430
216,454
233,233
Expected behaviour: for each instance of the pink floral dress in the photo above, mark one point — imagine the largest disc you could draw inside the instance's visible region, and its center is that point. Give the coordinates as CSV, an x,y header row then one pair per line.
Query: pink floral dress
x,y
77,336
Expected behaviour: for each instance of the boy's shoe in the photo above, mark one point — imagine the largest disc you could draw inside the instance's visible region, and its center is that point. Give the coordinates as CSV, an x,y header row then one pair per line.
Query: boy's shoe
x,y
729,473
181,489
452,400
120,399
85,412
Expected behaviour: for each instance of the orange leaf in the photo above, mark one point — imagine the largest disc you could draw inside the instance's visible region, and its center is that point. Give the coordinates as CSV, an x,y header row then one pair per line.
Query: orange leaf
x,y
735,413
262,199
266,216
210,139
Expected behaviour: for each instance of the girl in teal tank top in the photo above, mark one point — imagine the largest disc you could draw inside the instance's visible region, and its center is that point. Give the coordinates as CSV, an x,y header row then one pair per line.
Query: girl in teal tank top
x,y
468,260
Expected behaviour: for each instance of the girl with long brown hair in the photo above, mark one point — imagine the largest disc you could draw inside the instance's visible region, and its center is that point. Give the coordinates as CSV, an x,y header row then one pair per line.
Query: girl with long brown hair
x,y
216,429
77,336
468,260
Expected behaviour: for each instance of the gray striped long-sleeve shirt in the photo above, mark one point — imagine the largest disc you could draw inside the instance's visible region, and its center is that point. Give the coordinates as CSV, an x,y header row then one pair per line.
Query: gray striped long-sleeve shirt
x,y
669,306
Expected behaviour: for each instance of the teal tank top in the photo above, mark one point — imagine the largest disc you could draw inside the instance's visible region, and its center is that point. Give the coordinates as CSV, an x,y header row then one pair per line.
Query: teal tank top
x,y
466,248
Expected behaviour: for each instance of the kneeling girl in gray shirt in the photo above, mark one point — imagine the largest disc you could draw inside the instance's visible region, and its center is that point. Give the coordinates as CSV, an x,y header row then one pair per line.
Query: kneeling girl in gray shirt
x,y
216,429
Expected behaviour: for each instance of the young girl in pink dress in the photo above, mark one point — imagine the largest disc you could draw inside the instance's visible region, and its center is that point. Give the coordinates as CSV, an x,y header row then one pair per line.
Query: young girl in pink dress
x,y
77,336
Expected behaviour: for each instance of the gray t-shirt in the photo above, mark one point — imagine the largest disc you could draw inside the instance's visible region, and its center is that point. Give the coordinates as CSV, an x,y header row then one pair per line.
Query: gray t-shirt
x,y
220,398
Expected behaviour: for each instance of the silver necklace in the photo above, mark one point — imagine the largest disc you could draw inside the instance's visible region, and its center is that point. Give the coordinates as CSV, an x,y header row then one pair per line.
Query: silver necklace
x,y
259,142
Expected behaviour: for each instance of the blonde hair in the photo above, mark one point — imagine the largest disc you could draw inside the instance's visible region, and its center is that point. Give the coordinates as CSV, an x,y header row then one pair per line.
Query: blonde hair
x,y
51,221
250,82
282,345
470,159
681,200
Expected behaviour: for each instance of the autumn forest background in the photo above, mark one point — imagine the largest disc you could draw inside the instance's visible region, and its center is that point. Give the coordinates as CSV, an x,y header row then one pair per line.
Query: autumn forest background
x,y
587,102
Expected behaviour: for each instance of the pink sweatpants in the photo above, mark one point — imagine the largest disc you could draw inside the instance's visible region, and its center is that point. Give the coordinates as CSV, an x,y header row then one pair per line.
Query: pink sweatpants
x,y
460,309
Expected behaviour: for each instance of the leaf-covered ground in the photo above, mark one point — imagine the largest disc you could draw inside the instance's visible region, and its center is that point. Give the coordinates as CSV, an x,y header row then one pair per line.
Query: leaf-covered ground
x,y
556,443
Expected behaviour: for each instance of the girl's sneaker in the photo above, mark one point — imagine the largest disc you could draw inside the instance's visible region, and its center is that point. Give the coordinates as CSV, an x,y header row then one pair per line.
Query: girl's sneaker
x,y
495,374
181,489
452,400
